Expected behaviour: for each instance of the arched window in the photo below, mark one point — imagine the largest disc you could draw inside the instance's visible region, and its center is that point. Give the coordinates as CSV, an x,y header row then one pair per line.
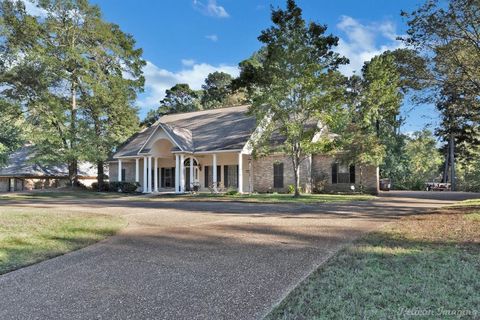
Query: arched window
x,y
186,163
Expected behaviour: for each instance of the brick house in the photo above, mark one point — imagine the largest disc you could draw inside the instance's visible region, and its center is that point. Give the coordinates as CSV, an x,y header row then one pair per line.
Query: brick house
x,y
210,149
22,173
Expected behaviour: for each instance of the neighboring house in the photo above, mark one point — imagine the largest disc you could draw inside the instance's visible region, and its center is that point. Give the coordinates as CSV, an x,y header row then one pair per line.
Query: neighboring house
x,y
211,149
21,173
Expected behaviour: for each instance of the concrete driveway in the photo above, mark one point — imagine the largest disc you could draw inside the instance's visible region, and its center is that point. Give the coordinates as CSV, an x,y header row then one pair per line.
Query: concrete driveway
x,y
196,260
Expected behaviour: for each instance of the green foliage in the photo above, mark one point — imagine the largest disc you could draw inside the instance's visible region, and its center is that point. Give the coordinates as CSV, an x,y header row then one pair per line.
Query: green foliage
x,y
368,127
446,37
291,188
217,91
77,79
293,83
11,129
416,160
231,192
180,98
116,186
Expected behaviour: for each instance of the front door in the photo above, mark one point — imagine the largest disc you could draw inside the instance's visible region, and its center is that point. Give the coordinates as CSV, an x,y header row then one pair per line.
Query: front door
x,y
196,180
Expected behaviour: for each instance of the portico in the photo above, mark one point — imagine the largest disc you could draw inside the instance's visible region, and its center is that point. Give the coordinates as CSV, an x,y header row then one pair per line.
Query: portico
x,y
185,172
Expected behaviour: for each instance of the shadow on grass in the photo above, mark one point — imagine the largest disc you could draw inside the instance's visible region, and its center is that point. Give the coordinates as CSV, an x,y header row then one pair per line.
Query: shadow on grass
x,y
386,275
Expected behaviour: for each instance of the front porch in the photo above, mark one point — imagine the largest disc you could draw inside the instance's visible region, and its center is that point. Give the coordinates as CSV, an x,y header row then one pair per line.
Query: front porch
x,y
182,172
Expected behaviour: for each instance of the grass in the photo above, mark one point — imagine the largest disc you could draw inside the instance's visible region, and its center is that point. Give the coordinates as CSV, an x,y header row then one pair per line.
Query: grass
x,y
422,266
267,198
60,195
30,235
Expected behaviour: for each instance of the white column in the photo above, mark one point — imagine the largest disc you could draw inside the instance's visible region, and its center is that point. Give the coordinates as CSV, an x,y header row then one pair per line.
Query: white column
x,y
159,176
137,170
191,174
240,173
149,171
177,173
182,174
155,175
250,175
119,173
214,172
145,190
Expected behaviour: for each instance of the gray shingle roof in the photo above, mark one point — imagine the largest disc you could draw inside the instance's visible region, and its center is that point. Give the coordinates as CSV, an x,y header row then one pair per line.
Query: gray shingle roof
x,y
20,164
199,131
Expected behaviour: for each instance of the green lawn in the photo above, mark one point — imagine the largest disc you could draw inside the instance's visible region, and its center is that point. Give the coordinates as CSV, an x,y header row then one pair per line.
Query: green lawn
x,y
30,235
423,266
65,195
266,198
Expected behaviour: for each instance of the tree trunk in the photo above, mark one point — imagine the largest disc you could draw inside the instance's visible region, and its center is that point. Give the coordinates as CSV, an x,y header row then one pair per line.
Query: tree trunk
x,y
361,178
447,159
72,172
296,174
100,175
73,166
452,162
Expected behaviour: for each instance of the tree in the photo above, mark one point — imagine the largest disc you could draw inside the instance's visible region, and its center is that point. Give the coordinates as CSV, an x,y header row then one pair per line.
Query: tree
x,y
370,129
424,159
217,90
179,98
58,62
448,38
294,84
11,129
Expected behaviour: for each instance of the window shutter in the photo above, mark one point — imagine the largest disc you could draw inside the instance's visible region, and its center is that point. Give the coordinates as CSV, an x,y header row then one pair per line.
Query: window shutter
x,y
206,177
352,173
334,173
236,185
278,175
225,176
219,174
124,172
172,174
162,177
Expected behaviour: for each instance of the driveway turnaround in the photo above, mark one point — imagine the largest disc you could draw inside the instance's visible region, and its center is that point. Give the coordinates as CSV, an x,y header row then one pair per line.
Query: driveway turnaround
x,y
195,260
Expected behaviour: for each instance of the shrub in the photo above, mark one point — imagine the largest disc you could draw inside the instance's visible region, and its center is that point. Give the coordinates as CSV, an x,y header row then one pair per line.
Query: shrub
x,y
291,188
320,181
231,192
105,187
117,186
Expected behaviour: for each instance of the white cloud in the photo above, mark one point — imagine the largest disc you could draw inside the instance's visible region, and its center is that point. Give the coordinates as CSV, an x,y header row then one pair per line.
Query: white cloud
x,y
211,9
188,62
212,37
157,80
360,43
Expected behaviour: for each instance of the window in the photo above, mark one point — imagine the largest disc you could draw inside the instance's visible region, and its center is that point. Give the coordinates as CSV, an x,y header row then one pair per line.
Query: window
x,y
209,176
278,175
124,173
343,173
230,176
167,177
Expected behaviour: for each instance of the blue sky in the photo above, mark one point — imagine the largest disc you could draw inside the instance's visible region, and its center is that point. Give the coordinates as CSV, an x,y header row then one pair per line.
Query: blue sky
x,y
184,40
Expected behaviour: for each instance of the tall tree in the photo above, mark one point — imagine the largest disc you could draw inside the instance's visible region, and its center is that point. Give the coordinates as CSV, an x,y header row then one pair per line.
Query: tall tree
x,y
294,84
12,129
447,35
218,91
179,98
371,127
59,65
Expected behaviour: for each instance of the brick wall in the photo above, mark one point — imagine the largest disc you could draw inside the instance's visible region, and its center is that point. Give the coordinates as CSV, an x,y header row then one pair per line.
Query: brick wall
x,y
263,173
367,176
